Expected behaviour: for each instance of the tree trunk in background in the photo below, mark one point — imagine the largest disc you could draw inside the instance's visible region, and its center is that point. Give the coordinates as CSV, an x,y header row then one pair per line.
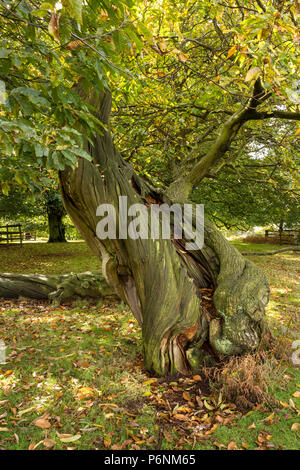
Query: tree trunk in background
x,y
56,228
159,279
280,232
55,214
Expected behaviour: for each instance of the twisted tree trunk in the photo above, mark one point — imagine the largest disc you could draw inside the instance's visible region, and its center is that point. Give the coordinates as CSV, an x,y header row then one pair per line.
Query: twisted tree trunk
x,y
159,279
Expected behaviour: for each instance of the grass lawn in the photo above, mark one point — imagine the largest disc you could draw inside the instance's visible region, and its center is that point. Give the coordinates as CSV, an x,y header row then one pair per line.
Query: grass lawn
x,y
74,376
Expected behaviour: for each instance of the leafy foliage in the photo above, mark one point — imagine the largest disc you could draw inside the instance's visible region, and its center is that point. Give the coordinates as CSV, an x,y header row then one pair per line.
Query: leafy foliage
x,y
43,116
177,70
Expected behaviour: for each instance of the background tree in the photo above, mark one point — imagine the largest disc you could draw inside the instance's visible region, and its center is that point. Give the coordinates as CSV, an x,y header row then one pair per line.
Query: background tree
x,y
24,206
55,213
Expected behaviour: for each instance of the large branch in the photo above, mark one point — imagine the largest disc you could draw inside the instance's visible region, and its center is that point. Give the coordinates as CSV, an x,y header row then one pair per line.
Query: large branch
x,y
258,115
182,187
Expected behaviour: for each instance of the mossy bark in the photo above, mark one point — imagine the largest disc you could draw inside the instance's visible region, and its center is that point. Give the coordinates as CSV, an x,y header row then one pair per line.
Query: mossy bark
x,y
159,279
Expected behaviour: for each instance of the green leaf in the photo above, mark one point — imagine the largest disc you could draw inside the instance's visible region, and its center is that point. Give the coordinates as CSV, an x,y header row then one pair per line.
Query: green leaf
x,y
82,153
4,53
74,8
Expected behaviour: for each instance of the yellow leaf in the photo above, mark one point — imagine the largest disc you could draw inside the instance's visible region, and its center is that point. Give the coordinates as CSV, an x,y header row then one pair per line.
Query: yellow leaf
x,y
22,412
85,392
209,407
53,26
295,427
163,45
296,394
284,404
186,396
231,51
297,131
150,381
8,372
214,427
268,419
182,57
252,74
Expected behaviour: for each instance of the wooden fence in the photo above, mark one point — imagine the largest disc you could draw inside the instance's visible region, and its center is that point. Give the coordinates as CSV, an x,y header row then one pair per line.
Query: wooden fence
x,y
11,234
284,237
29,236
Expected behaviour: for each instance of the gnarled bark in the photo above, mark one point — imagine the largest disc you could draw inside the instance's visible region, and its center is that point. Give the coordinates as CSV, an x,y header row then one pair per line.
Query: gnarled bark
x,y
159,279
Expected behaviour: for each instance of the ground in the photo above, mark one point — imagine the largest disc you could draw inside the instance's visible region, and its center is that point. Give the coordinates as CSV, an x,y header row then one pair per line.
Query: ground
x,y
74,375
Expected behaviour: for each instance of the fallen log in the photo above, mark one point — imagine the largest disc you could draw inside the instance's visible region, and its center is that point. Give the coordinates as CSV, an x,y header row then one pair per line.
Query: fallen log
x,y
56,288
291,248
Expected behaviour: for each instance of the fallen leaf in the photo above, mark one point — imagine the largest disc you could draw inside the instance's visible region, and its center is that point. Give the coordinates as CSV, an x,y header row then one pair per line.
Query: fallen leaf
x,y
269,419
252,426
27,410
284,404
49,443
85,392
167,436
71,438
295,427
209,407
197,378
232,446
117,447
42,423
199,402
150,381
83,364
107,441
